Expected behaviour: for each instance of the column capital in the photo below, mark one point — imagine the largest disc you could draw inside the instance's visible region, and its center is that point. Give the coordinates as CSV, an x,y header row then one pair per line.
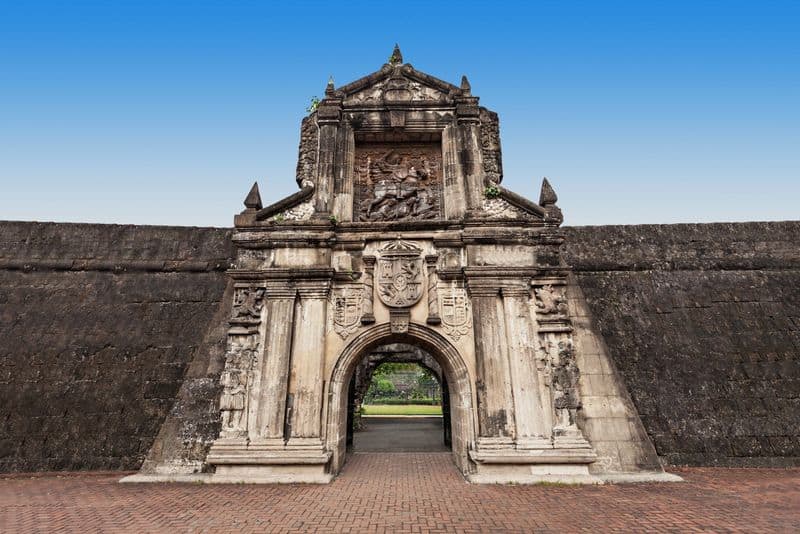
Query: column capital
x,y
313,288
280,289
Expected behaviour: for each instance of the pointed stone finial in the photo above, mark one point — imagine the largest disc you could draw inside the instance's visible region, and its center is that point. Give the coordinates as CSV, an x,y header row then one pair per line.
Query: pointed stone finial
x,y
466,88
329,89
547,197
253,199
397,57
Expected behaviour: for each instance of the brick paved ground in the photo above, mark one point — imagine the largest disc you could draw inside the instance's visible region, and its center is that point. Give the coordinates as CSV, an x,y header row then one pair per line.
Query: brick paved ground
x,y
404,492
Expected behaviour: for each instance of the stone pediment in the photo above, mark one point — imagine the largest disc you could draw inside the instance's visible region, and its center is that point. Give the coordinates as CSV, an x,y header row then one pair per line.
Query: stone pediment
x,y
398,84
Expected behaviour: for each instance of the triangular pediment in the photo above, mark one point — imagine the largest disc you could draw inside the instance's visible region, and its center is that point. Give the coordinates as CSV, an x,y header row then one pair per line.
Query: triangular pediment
x,y
398,84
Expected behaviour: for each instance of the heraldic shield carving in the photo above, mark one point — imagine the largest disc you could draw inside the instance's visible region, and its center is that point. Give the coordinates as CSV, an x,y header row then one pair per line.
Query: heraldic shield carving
x,y
400,274
454,306
347,303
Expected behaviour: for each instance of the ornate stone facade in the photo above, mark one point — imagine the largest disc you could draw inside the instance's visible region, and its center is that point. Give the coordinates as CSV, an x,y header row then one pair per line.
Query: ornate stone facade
x,y
411,240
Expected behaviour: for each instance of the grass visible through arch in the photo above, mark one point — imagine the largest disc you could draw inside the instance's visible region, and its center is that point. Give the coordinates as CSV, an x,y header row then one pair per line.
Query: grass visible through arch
x,y
400,409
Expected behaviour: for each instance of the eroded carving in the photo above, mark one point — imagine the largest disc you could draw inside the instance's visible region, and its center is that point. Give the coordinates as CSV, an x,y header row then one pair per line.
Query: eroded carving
x,y
551,300
455,311
248,303
347,308
400,274
241,357
398,183
309,143
490,145
566,399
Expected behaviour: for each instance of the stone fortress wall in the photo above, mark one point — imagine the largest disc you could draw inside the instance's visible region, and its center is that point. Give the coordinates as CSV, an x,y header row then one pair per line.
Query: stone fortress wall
x,y
99,325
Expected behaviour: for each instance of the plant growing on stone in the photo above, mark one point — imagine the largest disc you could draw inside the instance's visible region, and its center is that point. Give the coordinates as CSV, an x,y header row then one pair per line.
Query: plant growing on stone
x,y
491,191
313,105
334,220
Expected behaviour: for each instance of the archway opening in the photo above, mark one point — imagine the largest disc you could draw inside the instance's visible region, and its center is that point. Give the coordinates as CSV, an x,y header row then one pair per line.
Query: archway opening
x,y
398,401
457,394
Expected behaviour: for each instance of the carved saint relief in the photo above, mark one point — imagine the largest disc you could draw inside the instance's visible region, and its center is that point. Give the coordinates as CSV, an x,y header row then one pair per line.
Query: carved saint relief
x,y
399,275
398,182
454,308
347,307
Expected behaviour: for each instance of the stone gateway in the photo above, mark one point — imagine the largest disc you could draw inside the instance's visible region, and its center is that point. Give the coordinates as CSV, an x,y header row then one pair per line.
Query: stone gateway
x,y
402,233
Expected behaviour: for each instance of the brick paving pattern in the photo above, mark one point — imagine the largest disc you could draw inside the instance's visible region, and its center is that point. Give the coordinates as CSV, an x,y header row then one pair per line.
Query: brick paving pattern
x,y
404,492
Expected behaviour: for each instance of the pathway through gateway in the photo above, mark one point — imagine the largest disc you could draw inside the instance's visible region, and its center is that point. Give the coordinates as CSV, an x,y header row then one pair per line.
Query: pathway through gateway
x,y
400,434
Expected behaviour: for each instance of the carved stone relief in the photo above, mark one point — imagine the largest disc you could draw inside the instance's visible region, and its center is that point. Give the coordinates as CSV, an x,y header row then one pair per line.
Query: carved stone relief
x,y
241,357
309,143
346,303
398,182
497,208
397,88
566,399
400,274
551,300
490,145
455,311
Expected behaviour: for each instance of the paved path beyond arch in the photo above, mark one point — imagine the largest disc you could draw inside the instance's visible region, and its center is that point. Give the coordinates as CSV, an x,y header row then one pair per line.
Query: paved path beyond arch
x,y
403,492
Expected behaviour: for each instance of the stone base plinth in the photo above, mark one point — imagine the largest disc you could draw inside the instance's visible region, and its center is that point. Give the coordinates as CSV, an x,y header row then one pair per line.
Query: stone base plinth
x,y
269,461
532,466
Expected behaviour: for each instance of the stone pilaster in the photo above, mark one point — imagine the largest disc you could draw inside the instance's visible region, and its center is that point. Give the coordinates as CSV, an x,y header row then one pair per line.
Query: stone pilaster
x,y
368,316
455,199
269,411
328,118
532,429
307,365
470,153
495,403
433,294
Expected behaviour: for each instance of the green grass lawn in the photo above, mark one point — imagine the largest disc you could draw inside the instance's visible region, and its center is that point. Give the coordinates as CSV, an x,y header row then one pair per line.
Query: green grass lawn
x,y
400,409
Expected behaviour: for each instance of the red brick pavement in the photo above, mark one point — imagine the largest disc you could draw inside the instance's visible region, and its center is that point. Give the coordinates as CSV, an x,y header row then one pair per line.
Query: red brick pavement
x,y
404,492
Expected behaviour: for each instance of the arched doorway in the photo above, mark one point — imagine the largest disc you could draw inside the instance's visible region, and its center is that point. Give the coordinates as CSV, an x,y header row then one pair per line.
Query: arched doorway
x,y
454,372
417,423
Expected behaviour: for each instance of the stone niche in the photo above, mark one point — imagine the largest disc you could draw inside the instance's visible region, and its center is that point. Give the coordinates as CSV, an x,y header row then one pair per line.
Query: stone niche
x,y
401,232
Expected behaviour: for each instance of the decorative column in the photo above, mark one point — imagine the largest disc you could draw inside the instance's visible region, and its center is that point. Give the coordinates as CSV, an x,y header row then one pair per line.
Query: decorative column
x,y
433,295
532,429
307,365
368,316
495,401
270,409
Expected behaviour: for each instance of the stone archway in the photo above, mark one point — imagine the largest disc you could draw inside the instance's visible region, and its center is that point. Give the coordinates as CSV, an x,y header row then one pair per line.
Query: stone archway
x,y
390,353
453,369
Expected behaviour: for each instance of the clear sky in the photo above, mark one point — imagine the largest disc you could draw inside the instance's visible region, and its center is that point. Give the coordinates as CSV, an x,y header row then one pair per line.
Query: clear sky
x,y
166,112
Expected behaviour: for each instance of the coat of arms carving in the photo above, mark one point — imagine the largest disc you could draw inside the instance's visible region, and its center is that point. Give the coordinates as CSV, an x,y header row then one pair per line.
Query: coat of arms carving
x,y
347,302
454,310
399,276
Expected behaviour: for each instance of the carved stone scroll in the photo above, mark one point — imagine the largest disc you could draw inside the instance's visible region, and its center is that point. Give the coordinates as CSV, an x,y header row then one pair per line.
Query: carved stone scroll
x,y
398,182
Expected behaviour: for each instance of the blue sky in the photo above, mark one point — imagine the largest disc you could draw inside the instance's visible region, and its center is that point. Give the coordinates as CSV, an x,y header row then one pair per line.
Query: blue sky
x,y
166,112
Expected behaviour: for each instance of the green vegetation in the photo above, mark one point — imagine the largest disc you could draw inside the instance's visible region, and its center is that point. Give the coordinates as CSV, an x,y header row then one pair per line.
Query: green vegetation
x,y
491,191
312,107
400,409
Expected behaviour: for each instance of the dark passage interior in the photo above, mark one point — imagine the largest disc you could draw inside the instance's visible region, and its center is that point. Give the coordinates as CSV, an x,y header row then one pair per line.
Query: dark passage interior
x,y
398,402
